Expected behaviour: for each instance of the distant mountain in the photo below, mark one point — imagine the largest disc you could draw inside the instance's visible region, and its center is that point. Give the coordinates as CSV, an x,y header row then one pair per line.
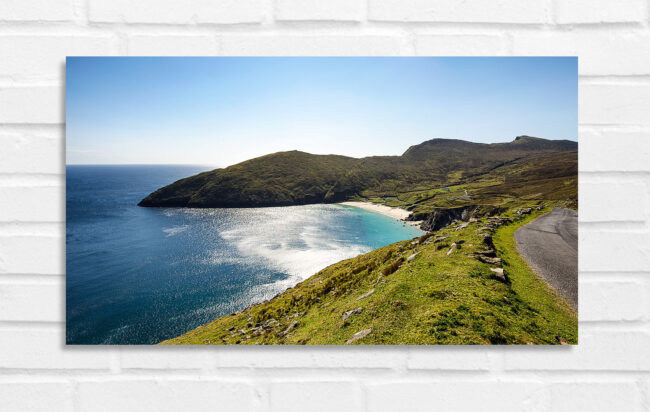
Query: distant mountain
x,y
527,167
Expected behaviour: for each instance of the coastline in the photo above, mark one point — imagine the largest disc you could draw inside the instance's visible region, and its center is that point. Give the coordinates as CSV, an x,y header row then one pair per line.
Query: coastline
x,y
394,212
309,312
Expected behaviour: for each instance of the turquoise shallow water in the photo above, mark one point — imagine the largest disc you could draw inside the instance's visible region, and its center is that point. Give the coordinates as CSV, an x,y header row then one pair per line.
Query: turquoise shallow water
x,y
139,275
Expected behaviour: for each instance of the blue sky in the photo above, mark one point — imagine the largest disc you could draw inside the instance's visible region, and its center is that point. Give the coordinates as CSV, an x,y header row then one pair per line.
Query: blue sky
x,y
223,110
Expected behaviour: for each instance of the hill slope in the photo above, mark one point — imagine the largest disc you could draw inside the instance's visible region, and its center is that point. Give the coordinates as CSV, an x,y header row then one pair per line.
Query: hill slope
x,y
523,167
438,289
446,287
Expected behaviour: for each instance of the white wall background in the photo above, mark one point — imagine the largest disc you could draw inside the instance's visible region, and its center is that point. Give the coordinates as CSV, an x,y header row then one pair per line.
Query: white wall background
x,y
608,371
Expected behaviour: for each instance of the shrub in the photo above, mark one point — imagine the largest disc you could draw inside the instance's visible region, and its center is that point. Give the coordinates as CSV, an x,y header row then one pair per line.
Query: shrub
x,y
392,267
425,236
388,255
358,269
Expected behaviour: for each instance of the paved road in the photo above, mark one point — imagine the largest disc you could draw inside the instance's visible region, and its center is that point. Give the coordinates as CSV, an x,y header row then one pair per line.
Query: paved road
x,y
550,246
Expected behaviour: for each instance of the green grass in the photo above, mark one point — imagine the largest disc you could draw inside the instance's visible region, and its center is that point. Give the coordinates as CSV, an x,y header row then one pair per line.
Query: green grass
x,y
435,299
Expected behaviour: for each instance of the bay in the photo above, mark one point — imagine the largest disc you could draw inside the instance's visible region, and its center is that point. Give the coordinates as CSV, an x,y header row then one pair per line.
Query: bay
x,y
141,275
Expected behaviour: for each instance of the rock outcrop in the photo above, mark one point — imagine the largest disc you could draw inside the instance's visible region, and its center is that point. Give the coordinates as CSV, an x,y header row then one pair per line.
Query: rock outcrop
x,y
358,335
365,295
443,217
500,274
352,312
413,256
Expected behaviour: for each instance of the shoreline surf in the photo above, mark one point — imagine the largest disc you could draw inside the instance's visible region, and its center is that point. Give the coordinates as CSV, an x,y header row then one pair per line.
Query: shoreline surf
x,y
212,261
394,212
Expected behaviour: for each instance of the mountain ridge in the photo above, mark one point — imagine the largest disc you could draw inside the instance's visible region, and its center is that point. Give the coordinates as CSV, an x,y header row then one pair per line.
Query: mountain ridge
x,y
298,178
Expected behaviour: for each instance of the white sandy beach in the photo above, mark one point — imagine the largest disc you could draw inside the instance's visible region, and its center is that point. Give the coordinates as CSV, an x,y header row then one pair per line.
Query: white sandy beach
x,y
394,212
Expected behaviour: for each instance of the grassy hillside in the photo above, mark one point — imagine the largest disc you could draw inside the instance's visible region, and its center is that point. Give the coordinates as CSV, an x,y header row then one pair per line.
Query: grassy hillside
x,y
438,289
545,177
463,284
471,173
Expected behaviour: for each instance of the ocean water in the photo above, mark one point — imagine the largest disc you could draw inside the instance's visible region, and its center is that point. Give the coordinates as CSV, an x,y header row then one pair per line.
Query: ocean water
x,y
141,275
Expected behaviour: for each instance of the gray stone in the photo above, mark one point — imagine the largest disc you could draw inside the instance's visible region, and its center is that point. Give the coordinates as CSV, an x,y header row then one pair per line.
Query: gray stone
x,y
490,260
271,323
488,252
257,331
524,211
359,335
365,295
291,327
349,313
500,274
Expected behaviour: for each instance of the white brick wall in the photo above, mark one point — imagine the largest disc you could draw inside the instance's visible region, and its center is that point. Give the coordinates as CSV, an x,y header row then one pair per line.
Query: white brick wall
x,y
608,371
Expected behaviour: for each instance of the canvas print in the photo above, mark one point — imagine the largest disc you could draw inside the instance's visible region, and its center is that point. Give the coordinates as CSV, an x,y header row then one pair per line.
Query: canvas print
x,y
321,201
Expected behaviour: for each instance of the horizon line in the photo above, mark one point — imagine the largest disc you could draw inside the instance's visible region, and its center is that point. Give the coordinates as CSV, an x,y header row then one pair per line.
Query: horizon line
x,y
296,150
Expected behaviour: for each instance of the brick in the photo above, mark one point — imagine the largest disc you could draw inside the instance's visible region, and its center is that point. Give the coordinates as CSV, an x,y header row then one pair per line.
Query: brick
x,y
614,151
620,104
44,349
645,387
153,45
594,396
599,350
36,396
600,53
33,104
395,378
456,396
599,11
471,11
319,396
613,251
460,45
32,255
314,10
32,302
29,152
37,57
173,12
301,357
37,10
609,201
166,358
314,45
611,301
26,204
452,358
165,395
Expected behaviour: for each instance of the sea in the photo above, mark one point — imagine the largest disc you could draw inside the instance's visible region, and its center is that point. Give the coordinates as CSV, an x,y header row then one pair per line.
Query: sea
x,y
137,276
